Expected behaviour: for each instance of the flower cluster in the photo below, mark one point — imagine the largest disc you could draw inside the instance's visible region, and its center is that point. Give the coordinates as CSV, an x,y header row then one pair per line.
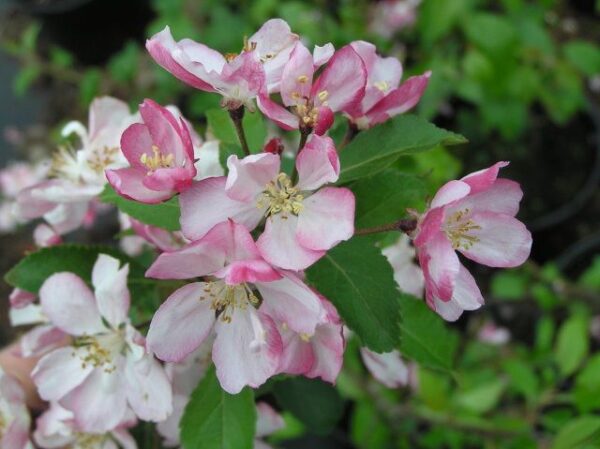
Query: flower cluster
x,y
248,231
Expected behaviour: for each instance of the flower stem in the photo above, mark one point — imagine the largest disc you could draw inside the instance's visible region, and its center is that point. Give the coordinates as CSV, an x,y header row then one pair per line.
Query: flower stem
x,y
405,225
351,133
236,117
304,133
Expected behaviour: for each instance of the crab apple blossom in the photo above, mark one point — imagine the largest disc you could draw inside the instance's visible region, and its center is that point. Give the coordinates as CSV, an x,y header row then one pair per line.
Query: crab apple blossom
x,y
161,156
317,355
389,368
303,221
14,416
407,274
476,217
105,372
56,428
241,298
312,104
384,96
390,16
77,177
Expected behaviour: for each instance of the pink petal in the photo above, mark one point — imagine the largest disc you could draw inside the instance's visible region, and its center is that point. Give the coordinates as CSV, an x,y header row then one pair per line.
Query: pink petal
x,y
277,113
279,245
317,163
388,368
170,179
343,79
181,323
199,214
503,197
41,339
30,205
106,113
148,389
70,305
110,288
449,192
129,182
290,301
199,258
161,47
328,346
484,179
268,420
246,350
59,372
430,226
249,176
297,76
243,78
325,119
45,236
135,142
247,271
326,219
298,356
466,296
100,402
440,266
322,54
20,298
502,241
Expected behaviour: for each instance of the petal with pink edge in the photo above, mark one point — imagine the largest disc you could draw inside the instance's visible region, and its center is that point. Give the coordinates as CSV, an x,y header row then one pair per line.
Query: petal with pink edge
x,y
106,112
41,339
135,142
297,76
297,356
484,179
318,163
279,245
181,323
277,113
199,214
503,197
129,183
59,372
249,176
70,305
449,192
326,219
388,368
501,240
290,301
110,288
440,266
328,347
246,350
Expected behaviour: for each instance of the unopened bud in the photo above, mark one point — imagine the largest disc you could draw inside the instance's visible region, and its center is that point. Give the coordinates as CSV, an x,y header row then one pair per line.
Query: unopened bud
x,y
274,146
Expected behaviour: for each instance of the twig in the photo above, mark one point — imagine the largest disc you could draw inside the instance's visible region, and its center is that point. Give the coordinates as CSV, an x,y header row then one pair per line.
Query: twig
x,y
236,116
304,133
351,133
406,225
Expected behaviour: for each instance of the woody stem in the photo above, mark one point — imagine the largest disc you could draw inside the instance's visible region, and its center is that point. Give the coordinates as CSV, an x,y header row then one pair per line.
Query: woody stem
x,y
304,133
236,117
405,225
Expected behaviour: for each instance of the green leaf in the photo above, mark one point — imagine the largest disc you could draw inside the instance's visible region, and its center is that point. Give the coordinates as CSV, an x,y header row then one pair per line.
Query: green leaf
x,y
359,281
580,431
424,336
572,344
222,127
500,35
163,215
123,66
25,78
61,57
522,378
373,150
481,398
89,86
585,56
368,429
215,419
315,403
385,197
587,385
31,272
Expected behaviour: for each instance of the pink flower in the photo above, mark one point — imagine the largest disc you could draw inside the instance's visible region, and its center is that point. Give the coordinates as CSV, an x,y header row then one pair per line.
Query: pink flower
x,y
388,368
238,78
161,155
384,96
14,416
66,199
57,428
241,300
390,16
268,422
303,220
341,86
407,274
105,373
492,334
319,355
475,216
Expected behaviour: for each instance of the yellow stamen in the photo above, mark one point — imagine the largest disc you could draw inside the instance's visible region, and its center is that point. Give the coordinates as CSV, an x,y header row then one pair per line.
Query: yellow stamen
x,y
458,228
281,197
383,86
157,160
302,79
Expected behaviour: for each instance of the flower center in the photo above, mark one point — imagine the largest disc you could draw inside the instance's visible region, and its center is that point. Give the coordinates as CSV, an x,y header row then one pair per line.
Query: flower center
x,y
157,160
98,351
88,441
383,86
101,159
458,228
281,197
65,165
226,298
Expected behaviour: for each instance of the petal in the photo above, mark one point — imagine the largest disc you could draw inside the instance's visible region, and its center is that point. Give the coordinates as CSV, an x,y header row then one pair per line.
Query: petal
x,y
388,368
279,245
290,301
268,420
430,226
41,339
328,347
181,323
100,402
248,271
129,183
440,266
110,288
30,205
20,298
30,314
199,258
70,305
326,219
318,163
59,372
343,80
297,76
243,78
399,100
322,54
249,176
466,293
484,179
449,192
325,119
148,389
161,47
297,356
246,350
67,217
277,113
199,214
170,179
503,197
501,241
106,113
135,142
